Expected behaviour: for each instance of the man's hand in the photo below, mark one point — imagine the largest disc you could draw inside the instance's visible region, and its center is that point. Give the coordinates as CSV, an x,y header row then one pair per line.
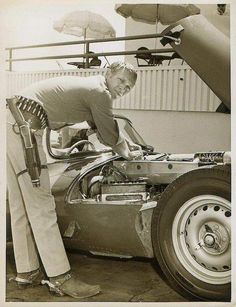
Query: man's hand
x,y
124,150
132,146
135,155
136,152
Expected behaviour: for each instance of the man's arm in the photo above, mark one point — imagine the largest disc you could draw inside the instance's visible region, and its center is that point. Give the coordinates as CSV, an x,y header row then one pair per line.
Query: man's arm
x,y
132,146
107,129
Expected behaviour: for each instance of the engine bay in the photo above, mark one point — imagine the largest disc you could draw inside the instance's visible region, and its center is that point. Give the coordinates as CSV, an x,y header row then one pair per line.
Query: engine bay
x,y
117,181
109,184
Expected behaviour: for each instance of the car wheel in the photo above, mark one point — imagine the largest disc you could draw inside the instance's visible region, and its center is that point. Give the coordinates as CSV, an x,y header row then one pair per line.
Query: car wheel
x,y
191,234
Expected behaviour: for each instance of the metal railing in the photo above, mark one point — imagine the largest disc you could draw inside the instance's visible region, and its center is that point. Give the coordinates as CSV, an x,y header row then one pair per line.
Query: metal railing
x,y
87,55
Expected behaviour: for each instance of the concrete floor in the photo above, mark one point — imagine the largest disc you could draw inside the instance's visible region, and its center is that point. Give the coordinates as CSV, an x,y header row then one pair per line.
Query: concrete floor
x,y
133,280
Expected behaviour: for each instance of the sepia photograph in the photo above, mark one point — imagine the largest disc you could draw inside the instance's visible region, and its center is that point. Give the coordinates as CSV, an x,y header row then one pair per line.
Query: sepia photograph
x,y
116,153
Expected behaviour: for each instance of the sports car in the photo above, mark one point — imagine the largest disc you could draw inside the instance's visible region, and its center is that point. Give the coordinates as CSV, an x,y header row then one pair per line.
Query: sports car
x,y
172,207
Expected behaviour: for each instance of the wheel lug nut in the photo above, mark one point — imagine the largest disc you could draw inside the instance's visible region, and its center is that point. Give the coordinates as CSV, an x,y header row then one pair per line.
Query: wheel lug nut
x,y
209,240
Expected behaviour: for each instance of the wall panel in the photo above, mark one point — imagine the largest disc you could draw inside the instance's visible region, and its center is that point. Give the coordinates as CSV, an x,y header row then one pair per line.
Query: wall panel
x,y
175,88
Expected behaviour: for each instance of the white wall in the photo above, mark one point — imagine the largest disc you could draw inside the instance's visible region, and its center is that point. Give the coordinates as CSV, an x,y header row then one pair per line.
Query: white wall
x,y
182,132
175,88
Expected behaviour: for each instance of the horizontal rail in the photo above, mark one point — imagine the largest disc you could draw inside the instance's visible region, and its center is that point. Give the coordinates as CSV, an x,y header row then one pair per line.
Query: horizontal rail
x,y
86,55
92,55
90,41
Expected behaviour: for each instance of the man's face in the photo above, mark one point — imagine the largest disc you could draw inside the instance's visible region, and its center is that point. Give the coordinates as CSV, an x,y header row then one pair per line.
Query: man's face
x,y
119,83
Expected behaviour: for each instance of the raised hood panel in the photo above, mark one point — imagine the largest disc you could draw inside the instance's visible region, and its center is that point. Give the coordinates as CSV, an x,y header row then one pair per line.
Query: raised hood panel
x,y
207,51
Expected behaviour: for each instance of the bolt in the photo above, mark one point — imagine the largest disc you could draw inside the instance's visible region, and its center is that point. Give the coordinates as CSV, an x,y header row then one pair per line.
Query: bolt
x,y
209,240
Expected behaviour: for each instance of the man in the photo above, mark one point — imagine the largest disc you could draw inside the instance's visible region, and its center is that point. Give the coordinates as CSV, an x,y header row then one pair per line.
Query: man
x,y
65,101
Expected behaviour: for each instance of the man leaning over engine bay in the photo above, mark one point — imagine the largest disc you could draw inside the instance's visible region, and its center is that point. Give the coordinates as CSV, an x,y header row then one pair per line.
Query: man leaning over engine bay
x,y
56,102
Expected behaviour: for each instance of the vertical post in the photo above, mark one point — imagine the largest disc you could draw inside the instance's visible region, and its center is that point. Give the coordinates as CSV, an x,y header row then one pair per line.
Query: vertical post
x,y
10,59
87,58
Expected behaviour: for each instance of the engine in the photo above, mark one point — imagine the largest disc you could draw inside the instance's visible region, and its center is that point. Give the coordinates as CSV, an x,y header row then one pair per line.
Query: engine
x,y
114,186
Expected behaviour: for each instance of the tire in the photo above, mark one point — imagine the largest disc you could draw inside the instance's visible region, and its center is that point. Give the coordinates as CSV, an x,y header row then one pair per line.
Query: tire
x,y
191,234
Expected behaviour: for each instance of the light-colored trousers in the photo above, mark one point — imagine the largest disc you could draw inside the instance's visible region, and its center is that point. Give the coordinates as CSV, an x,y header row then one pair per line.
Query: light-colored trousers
x,y
34,225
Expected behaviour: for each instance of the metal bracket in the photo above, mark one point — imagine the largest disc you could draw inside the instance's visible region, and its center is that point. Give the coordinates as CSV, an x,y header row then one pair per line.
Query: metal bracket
x,y
172,36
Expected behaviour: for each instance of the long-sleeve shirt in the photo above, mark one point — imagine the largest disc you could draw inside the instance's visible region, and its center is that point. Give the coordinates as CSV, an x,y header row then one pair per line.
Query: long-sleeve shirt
x,y
72,99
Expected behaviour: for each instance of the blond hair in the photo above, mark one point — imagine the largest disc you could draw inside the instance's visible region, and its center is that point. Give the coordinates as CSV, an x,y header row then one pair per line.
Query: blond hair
x,y
116,66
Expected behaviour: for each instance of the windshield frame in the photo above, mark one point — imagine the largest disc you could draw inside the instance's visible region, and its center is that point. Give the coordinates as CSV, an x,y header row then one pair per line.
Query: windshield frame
x,y
128,127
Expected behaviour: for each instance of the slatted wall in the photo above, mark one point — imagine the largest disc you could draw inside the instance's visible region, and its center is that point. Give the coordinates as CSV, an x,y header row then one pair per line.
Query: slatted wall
x,y
175,88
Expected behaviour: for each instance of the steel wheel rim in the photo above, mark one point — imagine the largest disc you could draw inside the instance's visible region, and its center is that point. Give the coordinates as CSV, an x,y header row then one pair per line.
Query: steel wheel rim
x,y
202,240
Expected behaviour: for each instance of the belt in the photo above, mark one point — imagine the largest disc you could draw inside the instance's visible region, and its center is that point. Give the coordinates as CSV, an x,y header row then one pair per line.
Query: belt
x,y
32,112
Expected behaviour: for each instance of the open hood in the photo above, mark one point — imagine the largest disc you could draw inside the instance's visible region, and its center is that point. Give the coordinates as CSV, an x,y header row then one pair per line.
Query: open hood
x,y
206,50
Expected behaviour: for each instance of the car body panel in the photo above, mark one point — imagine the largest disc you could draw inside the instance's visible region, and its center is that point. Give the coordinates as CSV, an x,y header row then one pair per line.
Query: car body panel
x,y
207,51
102,227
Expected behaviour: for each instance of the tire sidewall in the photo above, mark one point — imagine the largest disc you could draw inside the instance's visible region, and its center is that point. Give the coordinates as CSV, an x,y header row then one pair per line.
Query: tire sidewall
x,y
200,182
